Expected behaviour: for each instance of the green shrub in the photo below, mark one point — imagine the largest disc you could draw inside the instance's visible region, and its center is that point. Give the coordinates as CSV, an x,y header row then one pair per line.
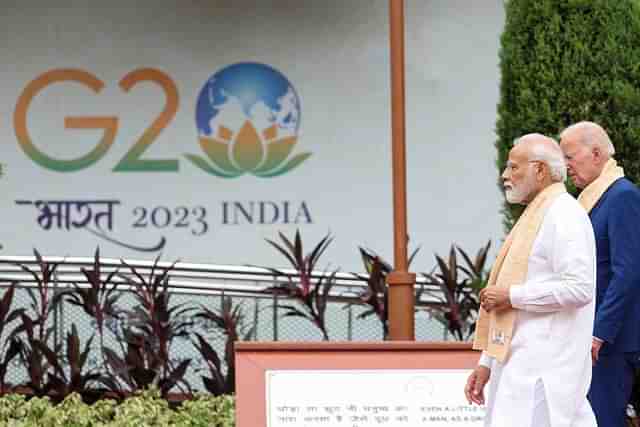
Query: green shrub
x,y
563,61
197,412
146,409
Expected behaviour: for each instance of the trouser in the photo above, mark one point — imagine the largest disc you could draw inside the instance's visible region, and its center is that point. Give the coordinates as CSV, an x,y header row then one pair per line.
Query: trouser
x,y
540,416
611,385
583,417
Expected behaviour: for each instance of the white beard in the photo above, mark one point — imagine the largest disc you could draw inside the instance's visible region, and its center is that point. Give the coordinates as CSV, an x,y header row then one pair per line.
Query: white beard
x,y
520,194
514,196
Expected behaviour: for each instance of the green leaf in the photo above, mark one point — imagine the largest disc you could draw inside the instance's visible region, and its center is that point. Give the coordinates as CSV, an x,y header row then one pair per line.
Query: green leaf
x,y
294,162
277,152
204,165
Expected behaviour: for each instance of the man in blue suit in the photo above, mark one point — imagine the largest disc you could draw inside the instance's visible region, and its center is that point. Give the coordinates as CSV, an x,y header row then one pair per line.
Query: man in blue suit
x,y
613,203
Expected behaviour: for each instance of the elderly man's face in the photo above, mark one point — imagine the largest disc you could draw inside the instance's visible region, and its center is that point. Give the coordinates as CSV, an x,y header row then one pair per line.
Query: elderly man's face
x,y
518,177
582,166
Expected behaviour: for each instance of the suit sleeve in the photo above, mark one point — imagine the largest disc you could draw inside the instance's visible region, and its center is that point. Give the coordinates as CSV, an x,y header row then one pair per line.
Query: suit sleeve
x,y
624,246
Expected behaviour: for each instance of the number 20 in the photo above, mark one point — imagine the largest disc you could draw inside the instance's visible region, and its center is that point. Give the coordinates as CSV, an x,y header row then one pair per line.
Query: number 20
x,y
132,160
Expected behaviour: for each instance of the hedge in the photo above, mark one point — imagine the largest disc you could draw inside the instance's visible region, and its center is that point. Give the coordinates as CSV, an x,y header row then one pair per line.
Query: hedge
x,y
563,61
147,409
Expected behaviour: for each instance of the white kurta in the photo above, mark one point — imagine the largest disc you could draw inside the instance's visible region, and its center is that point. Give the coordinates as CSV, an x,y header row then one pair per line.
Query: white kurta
x,y
551,342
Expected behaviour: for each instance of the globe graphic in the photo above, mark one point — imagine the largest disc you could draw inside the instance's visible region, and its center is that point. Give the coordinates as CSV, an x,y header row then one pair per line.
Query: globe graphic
x,y
248,91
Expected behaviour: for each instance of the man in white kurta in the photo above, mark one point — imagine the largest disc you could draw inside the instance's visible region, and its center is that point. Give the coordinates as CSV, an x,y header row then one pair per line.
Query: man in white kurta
x,y
544,378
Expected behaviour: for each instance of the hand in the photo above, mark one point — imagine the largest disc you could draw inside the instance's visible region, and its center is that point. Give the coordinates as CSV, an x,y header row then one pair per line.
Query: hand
x,y
596,345
474,390
495,298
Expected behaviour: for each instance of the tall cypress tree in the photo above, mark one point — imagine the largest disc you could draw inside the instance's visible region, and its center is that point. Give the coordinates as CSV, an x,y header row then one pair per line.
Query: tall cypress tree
x,y
563,61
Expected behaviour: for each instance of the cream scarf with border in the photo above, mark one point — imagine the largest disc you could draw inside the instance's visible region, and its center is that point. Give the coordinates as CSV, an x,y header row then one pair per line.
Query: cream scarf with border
x,y
592,192
494,329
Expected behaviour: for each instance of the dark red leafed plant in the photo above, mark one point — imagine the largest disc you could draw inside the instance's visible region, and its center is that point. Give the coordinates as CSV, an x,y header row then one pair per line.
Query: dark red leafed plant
x,y
34,331
42,300
459,296
312,293
153,324
230,321
476,269
10,347
69,374
99,300
376,296
33,359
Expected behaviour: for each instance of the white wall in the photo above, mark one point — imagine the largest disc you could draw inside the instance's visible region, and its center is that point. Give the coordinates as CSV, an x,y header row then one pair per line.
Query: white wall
x,y
336,55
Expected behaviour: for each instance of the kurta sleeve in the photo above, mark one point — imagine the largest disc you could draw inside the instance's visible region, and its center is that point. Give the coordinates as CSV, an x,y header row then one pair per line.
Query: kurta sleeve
x,y
568,237
485,360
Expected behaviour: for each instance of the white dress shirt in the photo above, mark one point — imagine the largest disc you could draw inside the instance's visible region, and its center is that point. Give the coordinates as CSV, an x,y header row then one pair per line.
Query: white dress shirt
x,y
551,340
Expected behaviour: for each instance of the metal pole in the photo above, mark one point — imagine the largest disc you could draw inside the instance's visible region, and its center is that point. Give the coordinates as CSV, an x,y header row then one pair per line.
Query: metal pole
x,y
400,281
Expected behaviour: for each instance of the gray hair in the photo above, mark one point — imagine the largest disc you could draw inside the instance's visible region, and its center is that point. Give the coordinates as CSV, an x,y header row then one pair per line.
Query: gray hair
x,y
591,134
546,150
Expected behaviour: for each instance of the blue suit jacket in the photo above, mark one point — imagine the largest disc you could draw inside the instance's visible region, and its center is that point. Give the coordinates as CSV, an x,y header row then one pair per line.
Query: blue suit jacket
x,y
616,223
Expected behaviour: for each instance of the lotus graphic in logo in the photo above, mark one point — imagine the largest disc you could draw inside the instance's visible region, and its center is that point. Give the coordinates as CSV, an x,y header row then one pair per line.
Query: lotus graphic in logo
x,y
248,116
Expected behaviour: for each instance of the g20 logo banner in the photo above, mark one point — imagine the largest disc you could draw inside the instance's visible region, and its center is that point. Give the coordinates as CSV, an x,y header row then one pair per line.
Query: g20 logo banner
x,y
247,117
247,120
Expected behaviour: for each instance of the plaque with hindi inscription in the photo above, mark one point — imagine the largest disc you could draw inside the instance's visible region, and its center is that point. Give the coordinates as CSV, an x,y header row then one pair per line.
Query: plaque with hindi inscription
x,y
370,398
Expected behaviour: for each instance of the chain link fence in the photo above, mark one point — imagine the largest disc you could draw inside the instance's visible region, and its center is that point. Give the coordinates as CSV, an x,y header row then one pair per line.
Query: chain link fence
x,y
203,286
